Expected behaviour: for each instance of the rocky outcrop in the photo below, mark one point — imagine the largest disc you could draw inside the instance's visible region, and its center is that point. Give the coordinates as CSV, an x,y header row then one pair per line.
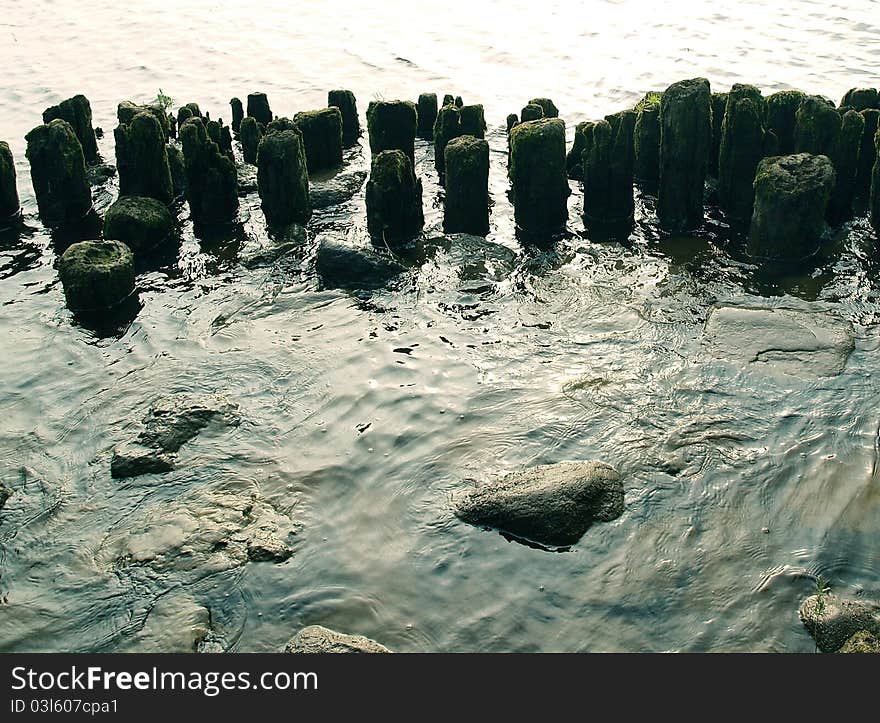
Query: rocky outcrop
x,y
832,620
318,639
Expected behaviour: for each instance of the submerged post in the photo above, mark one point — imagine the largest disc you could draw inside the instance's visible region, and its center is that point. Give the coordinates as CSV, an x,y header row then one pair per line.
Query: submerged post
x,y
78,113
392,126
347,104
608,175
427,110
466,208
394,199
9,203
742,146
283,178
537,175
142,160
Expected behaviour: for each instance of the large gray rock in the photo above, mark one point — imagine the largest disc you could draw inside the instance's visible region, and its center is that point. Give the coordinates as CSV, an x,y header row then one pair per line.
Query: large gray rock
x,y
343,267
800,343
551,505
832,620
318,639
862,642
338,189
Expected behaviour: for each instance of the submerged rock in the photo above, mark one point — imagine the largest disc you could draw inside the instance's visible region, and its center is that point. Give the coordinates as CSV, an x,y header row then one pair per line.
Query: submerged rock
x,y
347,104
318,639
78,113
258,108
142,160
466,207
96,274
862,642
646,141
237,114
685,139
832,620
446,127
742,147
134,460
343,267
283,178
394,199
175,623
547,106
552,504
781,118
174,420
791,196
58,173
538,175
139,221
799,343
336,190
322,135
427,114
250,134
211,178
608,174
9,203
472,121
392,126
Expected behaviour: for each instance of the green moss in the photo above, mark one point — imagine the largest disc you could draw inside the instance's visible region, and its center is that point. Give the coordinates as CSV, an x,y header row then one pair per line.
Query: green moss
x,y
531,112
139,221
861,642
651,99
538,175
781,118
742,146
446,127
394,199
250,134
547,105
322,135
211,178
282,178
473,121
817,126
126,111
96,274
142,160
77,111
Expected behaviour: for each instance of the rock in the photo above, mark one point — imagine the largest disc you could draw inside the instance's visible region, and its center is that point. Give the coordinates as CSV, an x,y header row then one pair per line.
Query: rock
x,y
391,125
547,105
5,494
142,160
531,112
177,168
791,195
133,460
394,199
283,178
78,113
58,173
336,190
685,139
608,174
427,114
551,505
799,343
318,639
96,274
343,267
126,111
817,126
141,222
861,99
846,166
538,176
719,106
174,420
175,623
646,141
874,201
9,203
781,118
867,153
466,207
446,127
322,135
250,134
861,642
742,147
258,108
347,104
472,121
237,114
832,620
266,546
211,178
100,173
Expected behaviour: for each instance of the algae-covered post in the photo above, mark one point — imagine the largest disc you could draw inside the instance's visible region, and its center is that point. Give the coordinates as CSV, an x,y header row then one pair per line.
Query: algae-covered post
x,y
874,201
237,114
459,102
394,199
646,141
427,112
861,99
817,126
473,121
742,146
177,167
537,175
78,112
685,137
258,107
846,166
867,152
322,135
139,221
9,203
391,125
126,111
719,105
512,120
448,100
530,112
608,175
96,274
791,195
142,160
574,160
250,134
466,208
446,127
781,118
283,178
347,104
547,105
58,173
211,178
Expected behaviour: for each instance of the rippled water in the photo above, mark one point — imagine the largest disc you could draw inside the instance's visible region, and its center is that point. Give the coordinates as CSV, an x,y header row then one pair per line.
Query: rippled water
x,y
742,483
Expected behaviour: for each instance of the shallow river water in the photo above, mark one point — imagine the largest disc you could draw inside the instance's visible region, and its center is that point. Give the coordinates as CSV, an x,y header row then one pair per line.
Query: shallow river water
x,y
365,413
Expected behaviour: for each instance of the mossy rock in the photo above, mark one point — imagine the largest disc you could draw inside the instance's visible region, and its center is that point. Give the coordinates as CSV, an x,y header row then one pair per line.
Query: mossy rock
x,y
322,134
530,112
861,98
142,159
58,173
538,175
781,118
832,621
126,111
473,121
139,221
9,203
237,113
282,178
742,147
347,104
427,114
96,274
446,127
466,207
250,134
258,107
392,125
394,199
861,642
78,112
547,105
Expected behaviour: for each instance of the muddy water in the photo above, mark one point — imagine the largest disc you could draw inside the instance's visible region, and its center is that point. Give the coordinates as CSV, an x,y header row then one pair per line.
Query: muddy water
x,y
365,412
